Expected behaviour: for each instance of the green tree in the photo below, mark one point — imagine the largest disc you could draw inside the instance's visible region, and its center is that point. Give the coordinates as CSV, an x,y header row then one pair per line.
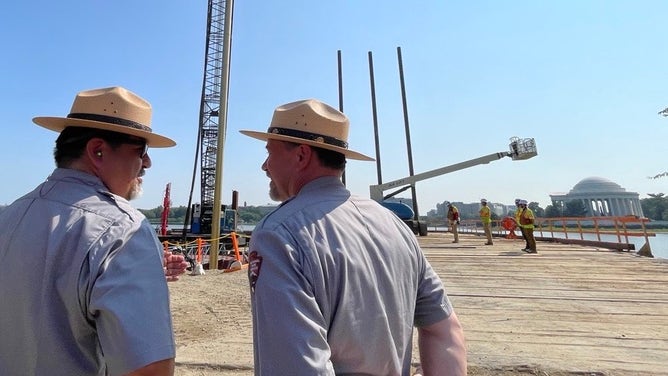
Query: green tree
x,y
655,207
536,209
250,214
575,208
178,212
555,210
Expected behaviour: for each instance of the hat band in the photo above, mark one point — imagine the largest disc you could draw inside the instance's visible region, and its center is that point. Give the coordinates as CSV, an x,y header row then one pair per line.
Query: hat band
x,y
308,136
110,119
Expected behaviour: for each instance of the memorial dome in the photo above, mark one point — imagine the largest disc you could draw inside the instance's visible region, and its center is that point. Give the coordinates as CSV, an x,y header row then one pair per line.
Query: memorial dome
x,y
597,184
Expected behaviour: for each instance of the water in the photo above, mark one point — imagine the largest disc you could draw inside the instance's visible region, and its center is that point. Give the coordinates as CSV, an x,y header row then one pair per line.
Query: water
x,y
659,245
246,228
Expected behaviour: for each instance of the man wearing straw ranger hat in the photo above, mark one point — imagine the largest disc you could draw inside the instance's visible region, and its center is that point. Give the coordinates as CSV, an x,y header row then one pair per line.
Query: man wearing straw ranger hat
x,y
83,280
337,281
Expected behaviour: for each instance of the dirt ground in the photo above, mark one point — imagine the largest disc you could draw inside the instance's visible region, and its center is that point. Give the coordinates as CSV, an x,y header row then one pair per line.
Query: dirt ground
x,y
211,314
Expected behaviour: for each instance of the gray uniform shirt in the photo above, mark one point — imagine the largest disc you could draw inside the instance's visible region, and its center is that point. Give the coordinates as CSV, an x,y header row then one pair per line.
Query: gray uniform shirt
x,y
337,284
82,287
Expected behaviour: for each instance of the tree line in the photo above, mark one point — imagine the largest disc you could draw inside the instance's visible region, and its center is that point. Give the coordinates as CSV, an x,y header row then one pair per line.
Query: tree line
x,y
177,214
655,207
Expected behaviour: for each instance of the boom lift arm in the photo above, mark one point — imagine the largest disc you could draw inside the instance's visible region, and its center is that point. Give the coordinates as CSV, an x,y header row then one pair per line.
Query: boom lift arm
x,y
520,149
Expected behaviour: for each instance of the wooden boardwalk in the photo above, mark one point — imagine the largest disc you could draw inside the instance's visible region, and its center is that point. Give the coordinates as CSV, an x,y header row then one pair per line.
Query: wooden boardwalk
x,y
569,307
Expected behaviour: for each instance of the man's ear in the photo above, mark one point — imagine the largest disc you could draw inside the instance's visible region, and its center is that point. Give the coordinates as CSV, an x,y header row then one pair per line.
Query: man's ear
x,y
95,149
304,155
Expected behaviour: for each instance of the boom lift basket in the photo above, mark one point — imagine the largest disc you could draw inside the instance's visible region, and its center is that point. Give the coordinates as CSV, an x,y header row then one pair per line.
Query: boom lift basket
x,y
521,149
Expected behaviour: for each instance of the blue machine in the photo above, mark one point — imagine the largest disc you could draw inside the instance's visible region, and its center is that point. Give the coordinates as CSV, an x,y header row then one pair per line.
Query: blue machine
x,y
402,210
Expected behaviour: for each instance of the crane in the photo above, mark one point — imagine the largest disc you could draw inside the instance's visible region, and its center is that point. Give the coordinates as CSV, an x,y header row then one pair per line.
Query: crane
x,y
212,118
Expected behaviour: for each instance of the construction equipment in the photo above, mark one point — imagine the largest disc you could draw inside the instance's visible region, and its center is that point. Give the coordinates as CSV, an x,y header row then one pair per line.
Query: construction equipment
x,y
519,149
209,217
212,125
166,205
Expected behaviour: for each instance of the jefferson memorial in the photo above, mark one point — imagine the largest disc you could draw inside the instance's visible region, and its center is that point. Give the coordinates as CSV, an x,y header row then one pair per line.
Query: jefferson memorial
x,y
602,197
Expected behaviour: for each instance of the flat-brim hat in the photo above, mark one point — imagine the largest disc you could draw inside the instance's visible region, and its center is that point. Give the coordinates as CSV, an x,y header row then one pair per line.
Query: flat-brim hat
x,y
310,122
113,109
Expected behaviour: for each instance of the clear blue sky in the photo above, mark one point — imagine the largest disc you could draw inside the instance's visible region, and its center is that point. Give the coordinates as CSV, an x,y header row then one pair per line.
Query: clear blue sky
x,y
584,78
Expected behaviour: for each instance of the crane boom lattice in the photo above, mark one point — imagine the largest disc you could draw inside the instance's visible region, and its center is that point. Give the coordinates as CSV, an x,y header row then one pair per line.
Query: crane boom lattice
x,y
210,107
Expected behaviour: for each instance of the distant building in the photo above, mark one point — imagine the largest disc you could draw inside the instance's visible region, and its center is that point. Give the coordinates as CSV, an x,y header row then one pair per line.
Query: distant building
x,y
602,197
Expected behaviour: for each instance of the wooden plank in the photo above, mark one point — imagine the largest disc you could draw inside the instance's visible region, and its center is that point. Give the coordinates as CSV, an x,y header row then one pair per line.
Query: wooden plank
x,y
569,307
592,243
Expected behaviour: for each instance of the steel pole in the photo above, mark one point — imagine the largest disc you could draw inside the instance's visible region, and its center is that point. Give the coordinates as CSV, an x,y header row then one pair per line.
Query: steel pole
x,y
222,130
411,172
340,73
375,118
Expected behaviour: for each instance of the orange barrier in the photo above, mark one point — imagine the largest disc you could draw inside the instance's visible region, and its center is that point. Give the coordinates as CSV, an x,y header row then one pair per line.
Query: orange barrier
x,y
235,245
233,262
616,226
510,226
238,262
200,243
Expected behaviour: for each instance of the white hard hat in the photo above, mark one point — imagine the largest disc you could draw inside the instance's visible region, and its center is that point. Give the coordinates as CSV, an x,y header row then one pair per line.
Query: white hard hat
x,y
483,200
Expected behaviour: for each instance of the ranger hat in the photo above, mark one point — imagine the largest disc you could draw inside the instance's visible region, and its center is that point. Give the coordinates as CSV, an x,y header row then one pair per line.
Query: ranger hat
x,y
113,109
310,122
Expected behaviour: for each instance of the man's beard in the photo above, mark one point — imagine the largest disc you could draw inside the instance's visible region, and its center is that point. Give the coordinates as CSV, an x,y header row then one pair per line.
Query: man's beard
x,y
274,194
135,192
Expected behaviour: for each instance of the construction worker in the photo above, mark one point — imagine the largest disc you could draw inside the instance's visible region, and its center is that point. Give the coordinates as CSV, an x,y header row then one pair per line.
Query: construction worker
x,y
486,219
527,220
453,220
518,212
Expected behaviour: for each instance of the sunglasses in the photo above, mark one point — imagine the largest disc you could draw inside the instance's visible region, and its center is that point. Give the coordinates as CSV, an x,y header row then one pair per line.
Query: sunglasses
x,y
139,142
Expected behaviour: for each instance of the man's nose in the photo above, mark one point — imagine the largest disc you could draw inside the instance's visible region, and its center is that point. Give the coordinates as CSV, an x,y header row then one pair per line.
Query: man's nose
x,y
147,162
